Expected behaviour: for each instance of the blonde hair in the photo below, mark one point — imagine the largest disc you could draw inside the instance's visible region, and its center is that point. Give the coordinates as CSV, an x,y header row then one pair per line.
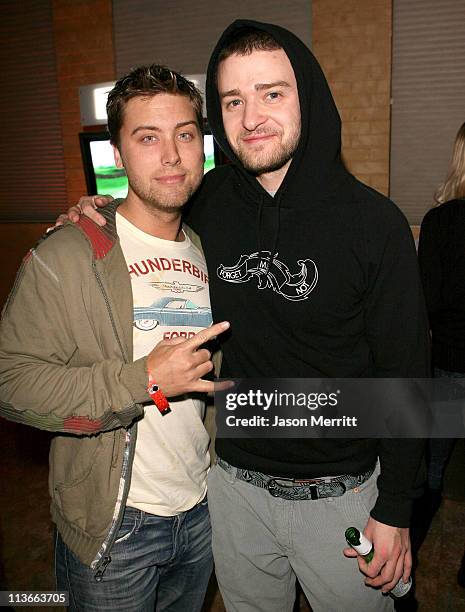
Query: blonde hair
x,y
454,185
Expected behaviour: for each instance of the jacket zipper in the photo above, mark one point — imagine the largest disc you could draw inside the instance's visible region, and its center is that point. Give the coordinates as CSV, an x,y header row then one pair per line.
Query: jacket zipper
x,y
106,559
107,303
101,566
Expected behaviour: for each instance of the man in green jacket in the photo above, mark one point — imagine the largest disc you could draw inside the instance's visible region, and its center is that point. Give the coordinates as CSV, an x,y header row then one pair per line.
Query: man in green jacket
x,y
97,319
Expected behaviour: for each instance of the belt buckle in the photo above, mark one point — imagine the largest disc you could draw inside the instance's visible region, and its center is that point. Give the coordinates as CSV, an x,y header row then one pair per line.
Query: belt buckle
x,y
273,484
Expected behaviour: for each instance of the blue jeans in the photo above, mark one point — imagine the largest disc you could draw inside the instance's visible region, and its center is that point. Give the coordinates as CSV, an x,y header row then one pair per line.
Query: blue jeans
x,y
157,563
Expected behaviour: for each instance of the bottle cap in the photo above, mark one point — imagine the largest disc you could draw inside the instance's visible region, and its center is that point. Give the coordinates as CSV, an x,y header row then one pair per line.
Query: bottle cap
x,y
358,541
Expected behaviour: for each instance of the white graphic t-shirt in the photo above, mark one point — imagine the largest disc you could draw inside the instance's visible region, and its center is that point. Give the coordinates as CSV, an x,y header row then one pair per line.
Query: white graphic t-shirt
x,y
170,289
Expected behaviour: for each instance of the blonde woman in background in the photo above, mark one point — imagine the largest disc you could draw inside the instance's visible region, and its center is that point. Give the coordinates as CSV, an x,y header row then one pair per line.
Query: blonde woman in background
x,y
441,252
453,187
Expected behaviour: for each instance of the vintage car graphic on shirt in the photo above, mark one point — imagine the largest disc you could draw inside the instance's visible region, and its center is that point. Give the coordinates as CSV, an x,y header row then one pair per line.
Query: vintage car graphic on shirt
x,y
171,311
273,274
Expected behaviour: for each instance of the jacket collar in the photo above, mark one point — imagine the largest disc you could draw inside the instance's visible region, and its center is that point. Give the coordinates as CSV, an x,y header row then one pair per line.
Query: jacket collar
x,y
102,239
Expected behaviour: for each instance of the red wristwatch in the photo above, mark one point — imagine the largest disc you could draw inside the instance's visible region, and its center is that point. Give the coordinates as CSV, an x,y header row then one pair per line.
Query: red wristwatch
x,y
158,398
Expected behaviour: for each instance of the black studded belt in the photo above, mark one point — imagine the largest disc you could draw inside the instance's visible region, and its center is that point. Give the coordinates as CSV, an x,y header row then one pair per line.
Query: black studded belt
x,y
298,488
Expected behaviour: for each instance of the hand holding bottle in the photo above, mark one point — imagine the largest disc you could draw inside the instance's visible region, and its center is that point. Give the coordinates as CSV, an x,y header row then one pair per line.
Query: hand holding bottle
x,y
391,560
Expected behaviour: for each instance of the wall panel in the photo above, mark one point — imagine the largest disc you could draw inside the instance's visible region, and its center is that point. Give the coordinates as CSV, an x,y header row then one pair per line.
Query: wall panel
x,y
352,41
182,34
428,93
32,183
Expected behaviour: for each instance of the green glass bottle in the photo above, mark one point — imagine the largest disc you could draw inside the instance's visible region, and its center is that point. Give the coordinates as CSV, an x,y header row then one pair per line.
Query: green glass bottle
x,y
365,549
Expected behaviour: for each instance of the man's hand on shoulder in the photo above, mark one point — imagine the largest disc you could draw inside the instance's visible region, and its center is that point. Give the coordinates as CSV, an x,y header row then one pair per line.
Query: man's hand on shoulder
x,y
87,206
392,559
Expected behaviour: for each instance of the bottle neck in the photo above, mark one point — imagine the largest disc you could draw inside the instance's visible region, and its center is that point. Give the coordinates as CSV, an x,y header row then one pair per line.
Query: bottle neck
x,y
369,555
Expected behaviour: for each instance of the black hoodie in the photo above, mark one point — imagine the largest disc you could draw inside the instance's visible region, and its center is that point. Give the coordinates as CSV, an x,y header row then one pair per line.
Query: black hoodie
x,y
319,281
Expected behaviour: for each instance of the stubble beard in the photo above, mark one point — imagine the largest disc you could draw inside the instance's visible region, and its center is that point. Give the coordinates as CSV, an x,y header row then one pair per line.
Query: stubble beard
x,y
262,162
170,202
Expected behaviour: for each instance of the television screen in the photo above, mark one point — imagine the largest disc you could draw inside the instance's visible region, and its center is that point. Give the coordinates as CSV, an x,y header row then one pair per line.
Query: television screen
x,y
209,152
103,177
108,178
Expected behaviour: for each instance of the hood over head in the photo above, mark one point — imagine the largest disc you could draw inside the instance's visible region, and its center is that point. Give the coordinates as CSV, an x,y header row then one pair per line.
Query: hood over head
x,y
316,166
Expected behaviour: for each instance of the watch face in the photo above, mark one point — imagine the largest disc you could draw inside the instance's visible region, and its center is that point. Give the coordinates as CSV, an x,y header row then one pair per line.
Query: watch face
x,y
153,388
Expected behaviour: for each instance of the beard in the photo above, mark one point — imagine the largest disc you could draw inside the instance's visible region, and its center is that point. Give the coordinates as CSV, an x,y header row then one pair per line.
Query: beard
x,y
267,159
164,199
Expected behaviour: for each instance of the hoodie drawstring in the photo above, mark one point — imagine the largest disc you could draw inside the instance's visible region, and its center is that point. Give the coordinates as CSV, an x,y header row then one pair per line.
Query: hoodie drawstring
x,y
259,223
278,226
274,243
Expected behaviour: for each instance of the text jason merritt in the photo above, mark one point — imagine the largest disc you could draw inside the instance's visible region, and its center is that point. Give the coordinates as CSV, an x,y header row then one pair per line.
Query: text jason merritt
x,y
313,421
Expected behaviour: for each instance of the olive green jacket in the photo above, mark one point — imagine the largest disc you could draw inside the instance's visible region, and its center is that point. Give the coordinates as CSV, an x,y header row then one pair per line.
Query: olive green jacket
x,y
66,365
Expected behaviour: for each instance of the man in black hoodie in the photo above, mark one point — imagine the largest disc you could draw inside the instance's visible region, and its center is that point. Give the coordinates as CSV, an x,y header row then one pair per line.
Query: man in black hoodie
x,y
287,201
